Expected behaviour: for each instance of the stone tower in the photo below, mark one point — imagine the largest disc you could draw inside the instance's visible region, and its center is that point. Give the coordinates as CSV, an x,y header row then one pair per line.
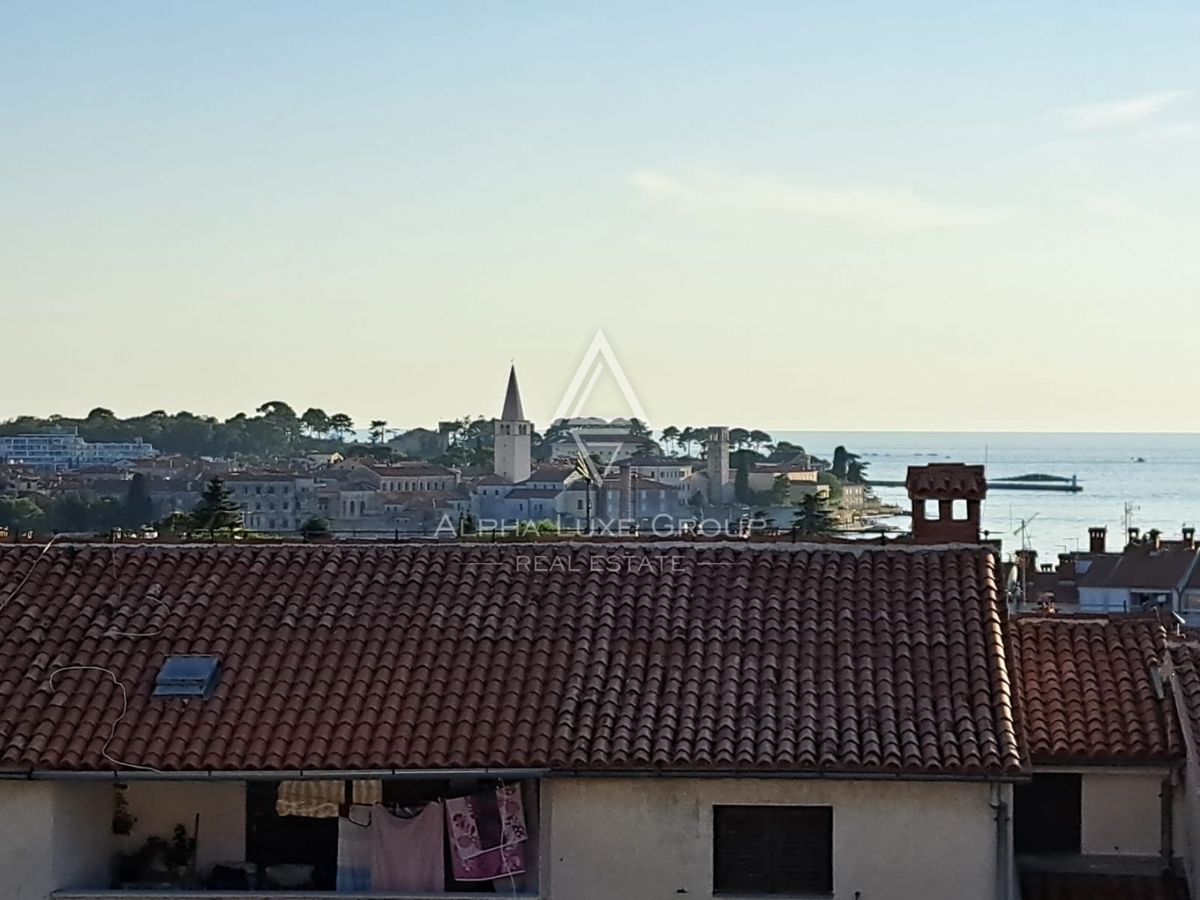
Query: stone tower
x,y
514,435
720,484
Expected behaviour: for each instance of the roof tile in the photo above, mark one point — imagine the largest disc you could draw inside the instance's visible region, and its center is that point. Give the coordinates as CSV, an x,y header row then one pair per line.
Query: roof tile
x,y
623,656
1086,692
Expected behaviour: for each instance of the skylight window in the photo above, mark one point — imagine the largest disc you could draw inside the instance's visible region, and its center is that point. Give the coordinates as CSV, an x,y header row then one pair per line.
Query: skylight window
x,y
188,676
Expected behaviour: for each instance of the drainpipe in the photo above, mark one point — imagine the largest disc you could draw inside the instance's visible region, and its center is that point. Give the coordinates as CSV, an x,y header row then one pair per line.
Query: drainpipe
x,y
1167,796
1002,861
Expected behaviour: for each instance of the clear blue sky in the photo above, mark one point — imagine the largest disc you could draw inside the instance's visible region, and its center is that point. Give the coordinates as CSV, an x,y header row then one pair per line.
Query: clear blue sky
x,y
786,214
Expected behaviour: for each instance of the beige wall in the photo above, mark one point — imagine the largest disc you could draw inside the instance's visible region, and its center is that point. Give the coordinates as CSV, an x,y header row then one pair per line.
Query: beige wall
x,y
83,839
159,806
26,833
652,837
1122,813
53,835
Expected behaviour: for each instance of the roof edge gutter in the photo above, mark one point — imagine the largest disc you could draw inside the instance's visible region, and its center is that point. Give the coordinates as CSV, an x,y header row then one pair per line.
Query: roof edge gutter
x,y
1007,778
366,774
266,774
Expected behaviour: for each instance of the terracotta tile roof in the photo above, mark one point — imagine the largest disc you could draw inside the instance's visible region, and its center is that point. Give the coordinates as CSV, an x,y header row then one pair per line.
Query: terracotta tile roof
x,y
408,469
946,481
1086,692
1185,665
1070,886
616,656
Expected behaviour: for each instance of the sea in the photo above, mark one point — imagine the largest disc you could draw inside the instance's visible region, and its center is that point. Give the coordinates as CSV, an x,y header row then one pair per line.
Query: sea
x,y
1154,479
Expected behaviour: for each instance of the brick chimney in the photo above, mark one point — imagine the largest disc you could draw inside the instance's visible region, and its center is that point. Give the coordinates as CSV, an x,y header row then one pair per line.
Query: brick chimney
x,y
945,483
1097,539
1134,533
1189,537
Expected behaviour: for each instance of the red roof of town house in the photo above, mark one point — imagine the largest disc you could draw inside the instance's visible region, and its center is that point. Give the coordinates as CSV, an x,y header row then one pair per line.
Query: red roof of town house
x,y
1089,886
1087,692
1185,674
621,656
946,481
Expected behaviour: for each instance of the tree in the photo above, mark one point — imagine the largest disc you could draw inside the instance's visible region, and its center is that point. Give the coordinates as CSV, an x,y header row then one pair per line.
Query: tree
x,y
216,510
856,472
378,430
317,421
739,436
691,436
781,489
758,438
813,518
741,481
316,529
638,428
20,514
670,436
842,458
341,425
138,508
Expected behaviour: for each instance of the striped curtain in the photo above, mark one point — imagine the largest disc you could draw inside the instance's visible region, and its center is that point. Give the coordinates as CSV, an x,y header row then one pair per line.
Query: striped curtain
x,y
320,799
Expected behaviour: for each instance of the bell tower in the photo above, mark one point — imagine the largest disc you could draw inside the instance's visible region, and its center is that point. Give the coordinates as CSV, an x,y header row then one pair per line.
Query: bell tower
x,y
514,436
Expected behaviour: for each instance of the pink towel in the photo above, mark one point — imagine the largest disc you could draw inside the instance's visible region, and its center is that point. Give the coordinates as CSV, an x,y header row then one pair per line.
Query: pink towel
x,y
487,834
407,854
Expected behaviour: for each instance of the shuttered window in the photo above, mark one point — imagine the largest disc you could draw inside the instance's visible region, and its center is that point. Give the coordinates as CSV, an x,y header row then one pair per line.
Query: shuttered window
x,y
773,850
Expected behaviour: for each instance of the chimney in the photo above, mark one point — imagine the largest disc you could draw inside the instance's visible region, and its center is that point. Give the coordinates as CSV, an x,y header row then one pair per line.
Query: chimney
x,y
1097,539
1064,560
1133,534
1189,537
950,485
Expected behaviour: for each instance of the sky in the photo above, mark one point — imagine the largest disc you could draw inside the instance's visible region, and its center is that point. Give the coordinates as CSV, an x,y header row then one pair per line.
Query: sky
x,y
786,215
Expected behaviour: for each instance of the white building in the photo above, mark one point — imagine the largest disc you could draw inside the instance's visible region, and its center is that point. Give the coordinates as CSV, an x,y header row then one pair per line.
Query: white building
x,y
62,451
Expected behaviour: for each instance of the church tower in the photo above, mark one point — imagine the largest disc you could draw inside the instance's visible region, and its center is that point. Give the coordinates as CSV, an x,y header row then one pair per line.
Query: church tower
x,y
514,435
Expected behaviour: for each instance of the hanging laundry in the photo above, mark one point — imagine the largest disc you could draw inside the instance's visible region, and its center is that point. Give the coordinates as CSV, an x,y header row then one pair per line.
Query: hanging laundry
x,y
487,834
408,854
354,851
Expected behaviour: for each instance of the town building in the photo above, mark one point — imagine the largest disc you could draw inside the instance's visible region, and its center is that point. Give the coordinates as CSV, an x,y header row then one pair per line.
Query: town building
x,y
1149,572
273,502
63,451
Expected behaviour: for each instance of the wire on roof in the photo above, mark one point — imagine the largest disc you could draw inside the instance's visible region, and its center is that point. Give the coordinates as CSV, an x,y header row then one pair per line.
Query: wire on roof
x,y
117,721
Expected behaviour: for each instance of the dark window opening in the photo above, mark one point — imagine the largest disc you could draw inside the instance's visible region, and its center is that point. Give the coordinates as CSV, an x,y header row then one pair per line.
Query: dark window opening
x,y
1047,815
272,839
773,849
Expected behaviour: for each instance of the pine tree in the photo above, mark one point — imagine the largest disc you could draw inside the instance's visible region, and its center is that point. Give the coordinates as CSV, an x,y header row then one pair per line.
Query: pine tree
x,y
813,518
216,510
139,508
741,481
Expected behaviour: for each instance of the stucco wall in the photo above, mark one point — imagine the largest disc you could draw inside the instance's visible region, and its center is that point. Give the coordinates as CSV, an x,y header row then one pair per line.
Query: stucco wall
x,y
651,838
159,806
1122,813
82,837
26,835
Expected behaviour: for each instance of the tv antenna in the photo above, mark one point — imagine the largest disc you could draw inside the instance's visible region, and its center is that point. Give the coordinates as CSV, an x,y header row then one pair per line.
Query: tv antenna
x,y
1023,533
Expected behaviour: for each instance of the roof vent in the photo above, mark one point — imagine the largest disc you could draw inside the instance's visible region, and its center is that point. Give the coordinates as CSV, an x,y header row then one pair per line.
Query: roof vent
x,y
187,676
